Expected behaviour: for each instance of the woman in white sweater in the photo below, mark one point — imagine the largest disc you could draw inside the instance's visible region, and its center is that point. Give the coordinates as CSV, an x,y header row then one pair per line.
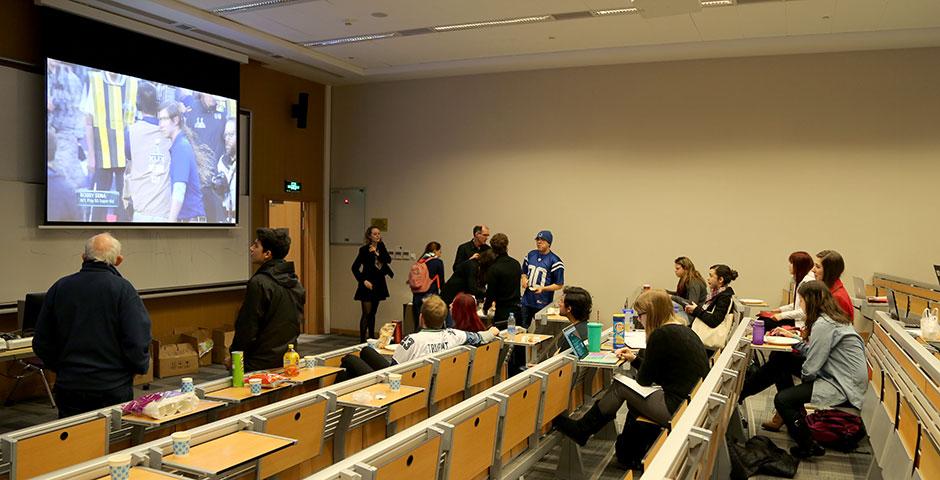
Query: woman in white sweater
x,y
801,267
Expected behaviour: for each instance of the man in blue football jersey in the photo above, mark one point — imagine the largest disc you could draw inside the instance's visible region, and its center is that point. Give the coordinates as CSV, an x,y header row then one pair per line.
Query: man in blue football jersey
x,y
543,272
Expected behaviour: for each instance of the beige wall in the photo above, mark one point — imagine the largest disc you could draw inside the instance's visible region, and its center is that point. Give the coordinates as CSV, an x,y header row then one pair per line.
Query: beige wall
x,y
737,161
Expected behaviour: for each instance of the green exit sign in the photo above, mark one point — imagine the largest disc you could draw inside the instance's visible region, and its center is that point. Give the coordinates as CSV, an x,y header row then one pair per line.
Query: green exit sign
x,y
291,186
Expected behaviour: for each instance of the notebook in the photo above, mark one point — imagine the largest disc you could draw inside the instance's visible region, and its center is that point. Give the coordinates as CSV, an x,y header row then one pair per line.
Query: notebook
x,y
601,358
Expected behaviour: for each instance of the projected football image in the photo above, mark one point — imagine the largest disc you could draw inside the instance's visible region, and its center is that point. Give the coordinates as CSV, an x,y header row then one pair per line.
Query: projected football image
x,y
127,150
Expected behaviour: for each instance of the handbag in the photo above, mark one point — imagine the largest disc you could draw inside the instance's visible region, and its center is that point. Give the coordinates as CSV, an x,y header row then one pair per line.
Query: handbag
x,y
714,338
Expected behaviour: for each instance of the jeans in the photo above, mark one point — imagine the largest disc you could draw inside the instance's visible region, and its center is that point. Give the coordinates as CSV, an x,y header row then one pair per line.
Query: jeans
x,y
74,402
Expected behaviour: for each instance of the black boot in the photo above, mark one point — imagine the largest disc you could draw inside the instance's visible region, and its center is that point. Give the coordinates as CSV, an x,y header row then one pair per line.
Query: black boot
x,y
582,429
805,445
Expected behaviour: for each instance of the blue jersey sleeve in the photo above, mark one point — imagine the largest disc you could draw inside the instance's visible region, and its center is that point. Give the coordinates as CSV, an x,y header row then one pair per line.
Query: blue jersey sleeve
x,y
557,271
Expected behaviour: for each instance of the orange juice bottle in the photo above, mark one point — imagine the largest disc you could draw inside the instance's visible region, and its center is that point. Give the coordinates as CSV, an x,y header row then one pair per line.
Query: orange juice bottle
x,y
291,361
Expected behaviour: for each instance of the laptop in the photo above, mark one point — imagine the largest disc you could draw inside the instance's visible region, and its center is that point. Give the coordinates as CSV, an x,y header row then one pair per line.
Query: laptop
x,y
859,287
893,306
936,269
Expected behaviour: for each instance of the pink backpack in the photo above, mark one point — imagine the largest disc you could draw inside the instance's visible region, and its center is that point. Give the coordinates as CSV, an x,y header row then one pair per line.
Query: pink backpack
x,y
836,429
418,277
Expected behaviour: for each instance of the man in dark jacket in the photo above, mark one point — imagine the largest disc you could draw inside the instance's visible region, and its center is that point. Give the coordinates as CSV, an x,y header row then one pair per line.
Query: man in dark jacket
x,y
474,246
94,332
503,282
273,310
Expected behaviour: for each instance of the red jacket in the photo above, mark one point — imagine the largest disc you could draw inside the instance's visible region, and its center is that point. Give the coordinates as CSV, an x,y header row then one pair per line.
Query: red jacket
x,y
842,298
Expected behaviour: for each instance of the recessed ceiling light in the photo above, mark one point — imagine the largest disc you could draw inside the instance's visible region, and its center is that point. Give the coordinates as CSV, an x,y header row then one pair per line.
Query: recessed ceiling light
x,y
493,23
379,14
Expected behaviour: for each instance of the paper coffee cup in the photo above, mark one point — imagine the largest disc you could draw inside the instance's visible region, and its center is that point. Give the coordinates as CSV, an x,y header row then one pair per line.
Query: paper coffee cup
x,y
181,443
394,382
119,466
309,361
119,460
255,385
187,385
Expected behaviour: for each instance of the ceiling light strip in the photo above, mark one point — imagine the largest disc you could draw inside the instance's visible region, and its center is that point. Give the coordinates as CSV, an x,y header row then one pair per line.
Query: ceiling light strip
x,y
247,6
353,39
493,23
614,11
717,3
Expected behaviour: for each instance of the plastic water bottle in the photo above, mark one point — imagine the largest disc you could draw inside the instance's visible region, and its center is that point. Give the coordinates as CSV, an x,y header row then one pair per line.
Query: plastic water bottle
x,y
630,316
291,362
757,332
511,324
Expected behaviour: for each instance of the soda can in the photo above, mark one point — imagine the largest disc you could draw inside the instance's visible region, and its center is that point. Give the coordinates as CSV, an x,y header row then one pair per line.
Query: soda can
x,y
238,369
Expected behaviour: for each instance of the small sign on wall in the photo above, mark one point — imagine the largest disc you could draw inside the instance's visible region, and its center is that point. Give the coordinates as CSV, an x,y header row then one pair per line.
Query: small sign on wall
x,y
292,186
382,223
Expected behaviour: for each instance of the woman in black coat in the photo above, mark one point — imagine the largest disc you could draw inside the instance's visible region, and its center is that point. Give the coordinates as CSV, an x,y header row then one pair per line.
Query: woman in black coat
x,y
370,268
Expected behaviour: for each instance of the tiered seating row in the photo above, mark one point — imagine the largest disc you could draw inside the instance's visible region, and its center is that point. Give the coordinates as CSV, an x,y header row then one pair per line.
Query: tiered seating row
x,y
313,418
900,411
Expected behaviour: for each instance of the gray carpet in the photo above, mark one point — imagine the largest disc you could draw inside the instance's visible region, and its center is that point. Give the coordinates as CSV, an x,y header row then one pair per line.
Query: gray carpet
x,y
28,413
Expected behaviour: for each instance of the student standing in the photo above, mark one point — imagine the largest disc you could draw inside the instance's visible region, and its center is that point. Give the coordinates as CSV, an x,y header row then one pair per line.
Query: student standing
x,y
543,272
434,266
370,268
474,246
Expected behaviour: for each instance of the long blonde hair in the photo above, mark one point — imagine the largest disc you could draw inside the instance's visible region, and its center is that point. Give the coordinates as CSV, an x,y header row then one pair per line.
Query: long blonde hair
x,y
657,306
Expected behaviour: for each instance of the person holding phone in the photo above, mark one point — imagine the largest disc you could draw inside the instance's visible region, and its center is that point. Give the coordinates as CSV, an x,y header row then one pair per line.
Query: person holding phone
x,y
370,269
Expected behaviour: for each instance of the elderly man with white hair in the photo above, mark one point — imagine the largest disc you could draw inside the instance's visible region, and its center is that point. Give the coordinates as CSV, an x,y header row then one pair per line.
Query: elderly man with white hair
x,y
94,332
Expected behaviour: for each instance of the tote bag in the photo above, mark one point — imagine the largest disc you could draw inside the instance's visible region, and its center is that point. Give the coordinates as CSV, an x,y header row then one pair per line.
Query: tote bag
x,y
715,338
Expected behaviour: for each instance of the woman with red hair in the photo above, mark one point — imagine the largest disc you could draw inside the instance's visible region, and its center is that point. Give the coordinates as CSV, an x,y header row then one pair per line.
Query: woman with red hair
x,y
464,312
801,267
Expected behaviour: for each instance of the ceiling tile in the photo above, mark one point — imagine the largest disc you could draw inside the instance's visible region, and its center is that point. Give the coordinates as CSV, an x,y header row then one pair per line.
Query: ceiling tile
x,y
858,15
911,14
810,17
717,23
762,19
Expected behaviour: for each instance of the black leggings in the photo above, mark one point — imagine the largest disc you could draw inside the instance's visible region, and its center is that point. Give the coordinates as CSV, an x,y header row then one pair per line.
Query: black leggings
x,y
367,320
789,404
368,361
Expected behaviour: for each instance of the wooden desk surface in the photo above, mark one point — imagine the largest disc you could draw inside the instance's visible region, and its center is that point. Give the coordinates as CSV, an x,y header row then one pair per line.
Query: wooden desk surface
x,y
226,452
313,373
16,354
237,394
770,347
390,397
524,339
147,421
143,473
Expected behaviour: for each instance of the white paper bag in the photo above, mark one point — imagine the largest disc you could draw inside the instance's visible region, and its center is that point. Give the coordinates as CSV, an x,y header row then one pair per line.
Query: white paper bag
x,y
929,326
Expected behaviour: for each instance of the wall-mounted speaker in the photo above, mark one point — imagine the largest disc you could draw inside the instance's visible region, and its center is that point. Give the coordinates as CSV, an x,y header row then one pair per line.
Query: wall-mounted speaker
x,y
299,110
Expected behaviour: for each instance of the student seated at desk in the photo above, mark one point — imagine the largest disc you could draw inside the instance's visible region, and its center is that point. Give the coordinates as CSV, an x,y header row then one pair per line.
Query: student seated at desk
x,y
433,338
716,306
575,304
464,312
801,268
691,286
828,268
674,359
830,360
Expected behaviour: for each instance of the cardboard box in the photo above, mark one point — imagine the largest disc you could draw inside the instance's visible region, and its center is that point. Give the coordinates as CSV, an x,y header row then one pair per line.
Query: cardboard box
x,y
201,340
174,359
222,340
147,377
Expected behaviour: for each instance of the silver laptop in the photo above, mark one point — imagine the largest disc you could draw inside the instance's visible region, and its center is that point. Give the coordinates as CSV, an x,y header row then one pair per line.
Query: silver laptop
x,y
859,287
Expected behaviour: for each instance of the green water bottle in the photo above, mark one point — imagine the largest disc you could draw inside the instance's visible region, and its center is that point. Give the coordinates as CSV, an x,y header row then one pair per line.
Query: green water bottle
x,y
238,369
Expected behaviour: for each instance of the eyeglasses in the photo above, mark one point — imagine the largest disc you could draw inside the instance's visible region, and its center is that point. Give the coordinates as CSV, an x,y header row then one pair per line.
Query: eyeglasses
x,y
640,314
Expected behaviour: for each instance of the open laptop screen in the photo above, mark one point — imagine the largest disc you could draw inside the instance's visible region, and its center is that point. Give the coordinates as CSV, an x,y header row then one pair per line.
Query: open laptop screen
x,y
577,345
